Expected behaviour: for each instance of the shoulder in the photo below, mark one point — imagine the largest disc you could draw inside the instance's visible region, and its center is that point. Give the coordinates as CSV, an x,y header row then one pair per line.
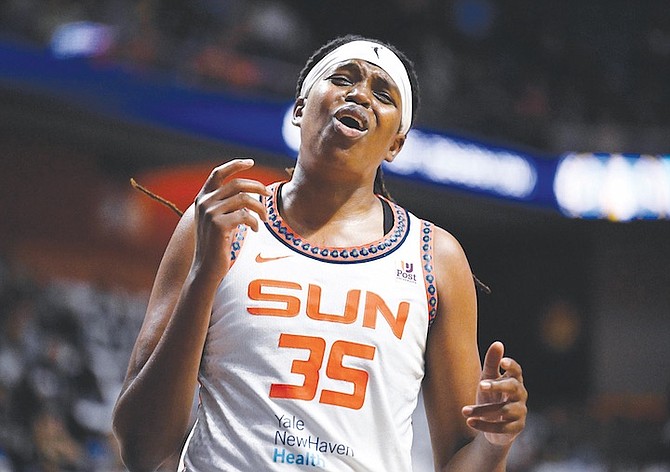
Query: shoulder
x,y
446,245
450,263
453,277
450,259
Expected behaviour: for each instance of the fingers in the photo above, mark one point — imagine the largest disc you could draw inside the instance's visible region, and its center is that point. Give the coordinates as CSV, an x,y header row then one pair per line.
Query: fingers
x,y
512,368
225,198
506,387
220,215
511,428
501,409
219,174
232,202
502,420
506,391
495,412
492,359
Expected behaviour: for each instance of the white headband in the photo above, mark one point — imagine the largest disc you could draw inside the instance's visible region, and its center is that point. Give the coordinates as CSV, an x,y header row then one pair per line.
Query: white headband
x,y
373,53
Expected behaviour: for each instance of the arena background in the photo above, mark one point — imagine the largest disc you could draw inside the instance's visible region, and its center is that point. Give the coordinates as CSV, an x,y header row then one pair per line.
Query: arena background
x,y
95,93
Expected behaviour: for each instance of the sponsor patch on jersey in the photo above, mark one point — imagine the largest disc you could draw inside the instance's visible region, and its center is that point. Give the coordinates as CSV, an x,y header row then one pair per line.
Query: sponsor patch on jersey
x,y
405,272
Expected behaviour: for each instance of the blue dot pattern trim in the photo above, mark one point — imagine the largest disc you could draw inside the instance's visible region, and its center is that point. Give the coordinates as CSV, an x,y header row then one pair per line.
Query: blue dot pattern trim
x,y
240,234
380,248
428,274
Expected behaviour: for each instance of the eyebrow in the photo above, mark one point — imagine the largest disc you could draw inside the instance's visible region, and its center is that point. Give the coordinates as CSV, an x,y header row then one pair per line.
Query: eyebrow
x,y
384,78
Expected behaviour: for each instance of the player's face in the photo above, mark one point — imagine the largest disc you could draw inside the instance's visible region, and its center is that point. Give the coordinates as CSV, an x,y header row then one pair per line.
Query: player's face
x,y
356,107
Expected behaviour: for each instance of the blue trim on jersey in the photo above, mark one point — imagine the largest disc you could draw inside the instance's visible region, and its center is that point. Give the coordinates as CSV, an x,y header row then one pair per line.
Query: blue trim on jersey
x,y
338,255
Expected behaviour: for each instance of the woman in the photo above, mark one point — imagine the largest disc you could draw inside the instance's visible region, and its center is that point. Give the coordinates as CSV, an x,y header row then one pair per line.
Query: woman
x,y
311,335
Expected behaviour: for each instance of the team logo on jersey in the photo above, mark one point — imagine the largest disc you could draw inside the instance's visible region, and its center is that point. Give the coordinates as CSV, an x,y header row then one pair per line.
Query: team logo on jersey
x,y
406,272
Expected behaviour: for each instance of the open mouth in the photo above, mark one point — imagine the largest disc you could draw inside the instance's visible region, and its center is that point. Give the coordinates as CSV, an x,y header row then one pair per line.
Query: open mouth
x,y
351,122
352,118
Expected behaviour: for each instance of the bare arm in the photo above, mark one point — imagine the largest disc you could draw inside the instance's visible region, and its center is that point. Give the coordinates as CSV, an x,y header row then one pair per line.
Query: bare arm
x,y
473,414
152,412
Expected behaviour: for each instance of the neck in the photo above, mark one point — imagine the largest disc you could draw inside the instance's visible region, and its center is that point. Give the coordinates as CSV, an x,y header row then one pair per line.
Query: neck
x,y
333,211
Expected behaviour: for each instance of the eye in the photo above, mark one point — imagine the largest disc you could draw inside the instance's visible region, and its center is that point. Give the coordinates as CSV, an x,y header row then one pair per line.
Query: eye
x,y
339,80
384,96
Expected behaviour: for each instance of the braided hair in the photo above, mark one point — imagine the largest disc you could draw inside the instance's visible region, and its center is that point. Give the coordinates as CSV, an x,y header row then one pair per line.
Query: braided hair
x,y
379,185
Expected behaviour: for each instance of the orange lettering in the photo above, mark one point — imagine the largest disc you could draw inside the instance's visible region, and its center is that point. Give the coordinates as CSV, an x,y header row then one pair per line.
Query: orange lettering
x,y
308,368
374,304
359,378
288,305
292,304
314,306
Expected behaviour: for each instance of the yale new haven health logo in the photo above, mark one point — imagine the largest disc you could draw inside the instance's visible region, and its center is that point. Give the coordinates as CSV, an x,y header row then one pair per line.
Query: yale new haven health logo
x,y
405,271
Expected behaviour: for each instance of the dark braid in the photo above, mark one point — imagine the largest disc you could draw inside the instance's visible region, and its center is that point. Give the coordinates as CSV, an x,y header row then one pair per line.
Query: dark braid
x,y
379,185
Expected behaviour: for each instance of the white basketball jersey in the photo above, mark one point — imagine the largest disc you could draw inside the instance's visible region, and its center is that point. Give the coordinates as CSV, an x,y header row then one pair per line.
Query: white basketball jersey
x,y
315,355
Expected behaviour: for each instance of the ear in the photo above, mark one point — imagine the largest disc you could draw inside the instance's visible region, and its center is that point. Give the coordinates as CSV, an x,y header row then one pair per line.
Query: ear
x,y
396,146
298,107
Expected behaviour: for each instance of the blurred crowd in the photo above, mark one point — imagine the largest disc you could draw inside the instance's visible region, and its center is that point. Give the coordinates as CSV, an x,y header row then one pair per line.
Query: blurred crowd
x,y
64,349
510,70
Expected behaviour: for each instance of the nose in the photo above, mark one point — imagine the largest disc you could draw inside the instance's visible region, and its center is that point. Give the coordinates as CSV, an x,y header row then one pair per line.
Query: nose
x,y
359,94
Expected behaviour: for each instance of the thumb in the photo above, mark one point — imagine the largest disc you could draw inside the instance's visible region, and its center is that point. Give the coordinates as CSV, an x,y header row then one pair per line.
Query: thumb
x,y
494,355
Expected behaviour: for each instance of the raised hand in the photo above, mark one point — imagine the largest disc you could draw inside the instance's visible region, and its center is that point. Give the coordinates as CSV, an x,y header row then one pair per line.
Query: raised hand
x,y
500,412
222,204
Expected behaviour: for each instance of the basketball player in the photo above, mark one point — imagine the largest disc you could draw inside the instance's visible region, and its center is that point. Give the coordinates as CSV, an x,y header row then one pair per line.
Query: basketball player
x,y
311,312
